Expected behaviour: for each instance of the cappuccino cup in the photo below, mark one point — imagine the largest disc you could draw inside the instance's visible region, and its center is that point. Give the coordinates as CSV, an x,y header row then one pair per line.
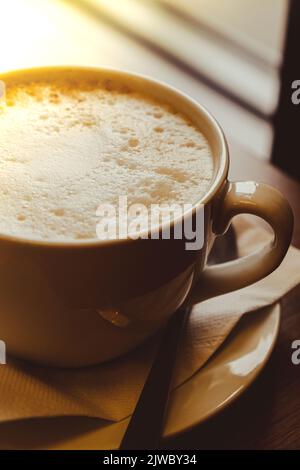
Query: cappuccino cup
x,y
76,139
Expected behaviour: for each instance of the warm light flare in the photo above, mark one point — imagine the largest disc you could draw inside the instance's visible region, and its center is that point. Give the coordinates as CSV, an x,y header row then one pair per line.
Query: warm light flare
x,y
36,33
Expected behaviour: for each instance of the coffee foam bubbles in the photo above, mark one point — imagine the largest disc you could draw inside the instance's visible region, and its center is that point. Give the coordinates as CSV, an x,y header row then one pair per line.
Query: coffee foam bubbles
x,y
63,151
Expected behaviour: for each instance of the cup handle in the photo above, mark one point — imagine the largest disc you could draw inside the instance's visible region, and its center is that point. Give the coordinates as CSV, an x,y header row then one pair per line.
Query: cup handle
x,y
246,198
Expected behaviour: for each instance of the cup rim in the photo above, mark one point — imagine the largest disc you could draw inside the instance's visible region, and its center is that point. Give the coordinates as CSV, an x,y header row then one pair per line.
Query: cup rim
x,y
217,183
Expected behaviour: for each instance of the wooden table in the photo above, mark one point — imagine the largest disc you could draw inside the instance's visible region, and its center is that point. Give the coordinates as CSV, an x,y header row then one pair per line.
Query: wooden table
x,y
267,416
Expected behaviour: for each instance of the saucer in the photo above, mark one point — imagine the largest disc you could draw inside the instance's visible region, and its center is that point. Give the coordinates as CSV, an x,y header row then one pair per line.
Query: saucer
x,y
221,381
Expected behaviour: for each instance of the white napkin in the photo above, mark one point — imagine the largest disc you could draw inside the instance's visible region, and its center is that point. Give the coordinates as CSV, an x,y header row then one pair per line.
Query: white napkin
x,y
110,390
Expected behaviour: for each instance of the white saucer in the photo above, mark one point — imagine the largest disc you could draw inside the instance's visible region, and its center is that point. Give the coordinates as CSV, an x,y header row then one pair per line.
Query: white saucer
x,y
229,372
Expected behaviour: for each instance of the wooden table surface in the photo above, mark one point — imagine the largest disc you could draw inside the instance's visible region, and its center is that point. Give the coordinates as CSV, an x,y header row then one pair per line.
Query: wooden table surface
x,y
267,416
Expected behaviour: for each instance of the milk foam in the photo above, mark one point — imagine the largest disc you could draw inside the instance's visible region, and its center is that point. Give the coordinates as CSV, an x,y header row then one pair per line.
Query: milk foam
x,y
65,151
